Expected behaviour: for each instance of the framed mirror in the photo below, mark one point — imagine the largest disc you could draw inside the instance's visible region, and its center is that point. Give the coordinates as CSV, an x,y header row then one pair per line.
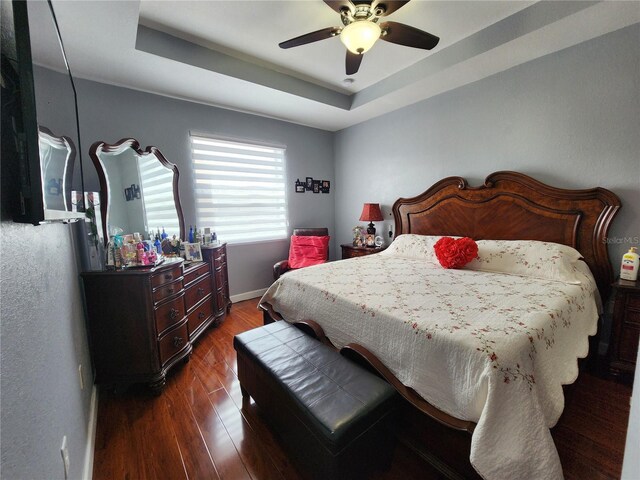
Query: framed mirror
x,y
57,158
138,188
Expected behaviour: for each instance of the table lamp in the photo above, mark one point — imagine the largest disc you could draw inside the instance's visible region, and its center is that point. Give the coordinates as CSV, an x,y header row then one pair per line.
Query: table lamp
x,y
371,213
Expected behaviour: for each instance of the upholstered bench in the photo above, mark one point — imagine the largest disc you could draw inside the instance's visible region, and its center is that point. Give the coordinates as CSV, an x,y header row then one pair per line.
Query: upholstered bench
x,y
330,412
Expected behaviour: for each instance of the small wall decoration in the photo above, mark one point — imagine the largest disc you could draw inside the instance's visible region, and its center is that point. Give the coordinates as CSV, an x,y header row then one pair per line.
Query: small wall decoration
x,y
311,185
132,192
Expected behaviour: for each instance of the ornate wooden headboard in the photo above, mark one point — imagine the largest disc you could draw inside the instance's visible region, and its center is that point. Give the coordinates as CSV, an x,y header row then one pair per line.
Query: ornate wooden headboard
x,y
514,206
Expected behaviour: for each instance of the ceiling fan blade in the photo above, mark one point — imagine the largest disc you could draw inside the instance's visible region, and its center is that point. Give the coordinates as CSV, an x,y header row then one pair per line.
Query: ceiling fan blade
x,y
339,5
390,6
311,37
402,34
353,62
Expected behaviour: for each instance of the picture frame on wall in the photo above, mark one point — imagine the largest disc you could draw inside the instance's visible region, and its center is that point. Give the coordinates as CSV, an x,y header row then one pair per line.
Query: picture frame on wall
x,y
325,186
309,183
300,188
128,194
316,186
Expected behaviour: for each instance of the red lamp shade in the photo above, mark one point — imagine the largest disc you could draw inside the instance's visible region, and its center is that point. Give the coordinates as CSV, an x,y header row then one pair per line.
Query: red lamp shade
x,y
371,213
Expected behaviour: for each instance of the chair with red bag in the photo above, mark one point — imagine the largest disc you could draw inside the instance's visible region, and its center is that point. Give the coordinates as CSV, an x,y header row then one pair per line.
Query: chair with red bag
x,y
309,246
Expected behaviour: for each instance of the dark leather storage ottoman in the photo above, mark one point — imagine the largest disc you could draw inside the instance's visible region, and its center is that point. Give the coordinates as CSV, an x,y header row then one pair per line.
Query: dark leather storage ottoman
x,y
329,412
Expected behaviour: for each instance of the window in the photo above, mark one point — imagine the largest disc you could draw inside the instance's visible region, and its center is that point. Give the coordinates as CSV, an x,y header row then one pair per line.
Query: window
x,y
239,189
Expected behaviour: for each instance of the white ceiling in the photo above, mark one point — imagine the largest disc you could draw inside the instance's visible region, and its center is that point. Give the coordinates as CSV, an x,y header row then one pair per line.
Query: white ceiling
x,y
226,53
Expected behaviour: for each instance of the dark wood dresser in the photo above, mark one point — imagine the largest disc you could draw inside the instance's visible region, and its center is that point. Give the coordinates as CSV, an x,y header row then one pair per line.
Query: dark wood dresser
x,y
625,329
143,321
349,251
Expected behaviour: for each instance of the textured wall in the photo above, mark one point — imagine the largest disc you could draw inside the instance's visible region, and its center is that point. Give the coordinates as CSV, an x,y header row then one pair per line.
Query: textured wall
x,y
43,342
110,113
570,119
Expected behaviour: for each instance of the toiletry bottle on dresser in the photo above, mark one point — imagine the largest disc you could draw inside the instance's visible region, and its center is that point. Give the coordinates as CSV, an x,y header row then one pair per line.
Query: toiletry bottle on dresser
x,y
629,266
110,255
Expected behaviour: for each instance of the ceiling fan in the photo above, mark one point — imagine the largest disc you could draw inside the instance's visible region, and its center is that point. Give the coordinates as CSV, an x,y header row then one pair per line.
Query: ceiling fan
x,y
361,30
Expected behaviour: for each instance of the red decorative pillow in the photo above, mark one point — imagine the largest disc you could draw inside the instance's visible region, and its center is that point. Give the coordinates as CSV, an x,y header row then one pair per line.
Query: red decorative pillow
x,y
455,253
307,250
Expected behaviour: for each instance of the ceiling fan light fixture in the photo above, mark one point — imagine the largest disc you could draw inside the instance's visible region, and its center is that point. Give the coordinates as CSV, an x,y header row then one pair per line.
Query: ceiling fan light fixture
x,y
359,36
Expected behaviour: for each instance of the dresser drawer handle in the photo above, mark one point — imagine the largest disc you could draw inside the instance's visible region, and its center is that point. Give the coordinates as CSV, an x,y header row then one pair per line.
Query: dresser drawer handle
x,y
201,315
177,341
173,313
168,276
200,291
169,290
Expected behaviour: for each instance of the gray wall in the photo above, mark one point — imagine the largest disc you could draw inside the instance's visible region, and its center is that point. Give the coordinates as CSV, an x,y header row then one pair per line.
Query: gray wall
x,y
43,342
570,119
110,113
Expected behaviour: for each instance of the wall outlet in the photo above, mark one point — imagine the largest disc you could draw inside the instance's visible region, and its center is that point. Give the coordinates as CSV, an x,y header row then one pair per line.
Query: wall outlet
x,y
81,377
64,451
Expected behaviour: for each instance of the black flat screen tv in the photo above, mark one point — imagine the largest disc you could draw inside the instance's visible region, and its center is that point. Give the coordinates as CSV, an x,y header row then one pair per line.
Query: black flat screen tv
x,y
41,154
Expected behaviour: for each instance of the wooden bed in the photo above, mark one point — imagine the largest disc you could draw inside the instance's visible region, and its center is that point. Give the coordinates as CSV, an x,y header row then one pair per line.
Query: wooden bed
x,y
508,206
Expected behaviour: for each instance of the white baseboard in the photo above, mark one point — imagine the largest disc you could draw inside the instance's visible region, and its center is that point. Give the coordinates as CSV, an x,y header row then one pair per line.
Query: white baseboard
x,y
248,295
87,470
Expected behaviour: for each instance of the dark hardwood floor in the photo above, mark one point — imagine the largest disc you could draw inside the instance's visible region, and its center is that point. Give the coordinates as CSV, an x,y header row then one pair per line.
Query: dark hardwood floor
x,y
199,429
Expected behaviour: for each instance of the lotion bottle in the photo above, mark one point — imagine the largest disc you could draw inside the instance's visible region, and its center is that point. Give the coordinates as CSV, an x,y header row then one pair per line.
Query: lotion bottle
x,y
629,266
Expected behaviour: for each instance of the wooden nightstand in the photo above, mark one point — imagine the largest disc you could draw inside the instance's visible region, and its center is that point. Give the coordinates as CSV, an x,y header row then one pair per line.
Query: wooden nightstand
x,y
625,329
349,251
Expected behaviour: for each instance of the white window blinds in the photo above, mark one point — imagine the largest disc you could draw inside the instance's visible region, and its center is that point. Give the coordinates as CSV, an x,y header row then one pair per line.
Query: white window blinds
x,y
239,189
156,182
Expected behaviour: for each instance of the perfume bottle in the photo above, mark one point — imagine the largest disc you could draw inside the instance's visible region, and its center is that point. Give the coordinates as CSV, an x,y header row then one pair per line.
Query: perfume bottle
x,y
164,234
190,234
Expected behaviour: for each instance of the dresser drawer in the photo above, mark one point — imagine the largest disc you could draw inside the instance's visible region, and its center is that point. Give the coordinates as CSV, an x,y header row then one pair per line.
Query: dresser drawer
x,y
173,342
199,315
628,344
221,277
193,272
632,318
220,257
358,253
166,276
221,304
166,290
633,301
197,291
170,313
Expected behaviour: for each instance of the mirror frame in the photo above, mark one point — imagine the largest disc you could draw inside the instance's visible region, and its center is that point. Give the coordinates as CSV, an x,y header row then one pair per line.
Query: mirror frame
x,y
118,148
61,143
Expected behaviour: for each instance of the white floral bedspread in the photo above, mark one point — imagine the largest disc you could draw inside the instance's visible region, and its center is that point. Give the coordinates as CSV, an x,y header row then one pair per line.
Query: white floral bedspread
x,y
487,347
